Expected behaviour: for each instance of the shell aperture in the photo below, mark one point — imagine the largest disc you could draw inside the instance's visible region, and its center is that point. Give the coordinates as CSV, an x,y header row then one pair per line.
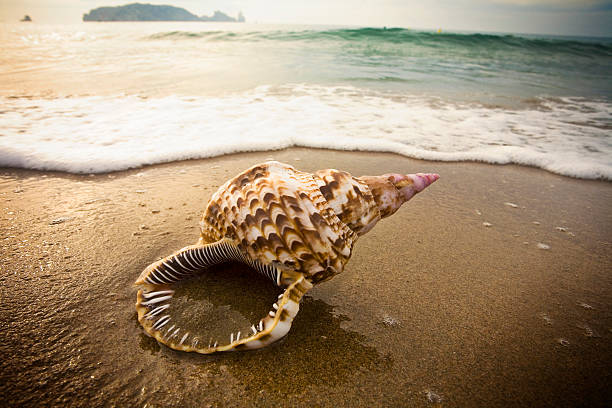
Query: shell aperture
x,y
293,227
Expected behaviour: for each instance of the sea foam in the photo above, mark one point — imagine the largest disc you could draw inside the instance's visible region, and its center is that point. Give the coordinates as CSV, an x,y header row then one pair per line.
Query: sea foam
x,y
568,136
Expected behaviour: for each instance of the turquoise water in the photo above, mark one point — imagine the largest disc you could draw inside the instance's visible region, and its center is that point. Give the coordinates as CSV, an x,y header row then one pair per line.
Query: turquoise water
x,y
124,92
487,65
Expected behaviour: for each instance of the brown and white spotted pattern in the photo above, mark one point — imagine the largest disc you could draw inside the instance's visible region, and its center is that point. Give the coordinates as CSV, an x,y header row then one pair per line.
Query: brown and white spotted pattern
x,y
350,198
276,213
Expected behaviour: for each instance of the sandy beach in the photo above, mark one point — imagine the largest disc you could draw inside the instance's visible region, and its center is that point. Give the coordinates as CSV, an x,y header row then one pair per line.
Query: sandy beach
x,y
491,288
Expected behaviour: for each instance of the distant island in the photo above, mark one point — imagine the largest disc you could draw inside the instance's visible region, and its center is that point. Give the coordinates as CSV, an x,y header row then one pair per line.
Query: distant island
x,y
150,12
26,19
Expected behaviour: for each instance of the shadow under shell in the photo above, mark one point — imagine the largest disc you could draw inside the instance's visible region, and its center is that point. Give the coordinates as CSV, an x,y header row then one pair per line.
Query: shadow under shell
x,y
225,299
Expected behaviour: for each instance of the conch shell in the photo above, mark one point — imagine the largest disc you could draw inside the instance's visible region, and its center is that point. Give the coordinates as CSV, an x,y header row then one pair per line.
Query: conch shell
x,y
295,228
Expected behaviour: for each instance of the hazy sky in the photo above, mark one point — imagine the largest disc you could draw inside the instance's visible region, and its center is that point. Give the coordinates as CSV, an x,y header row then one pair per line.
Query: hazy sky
x,y
581,17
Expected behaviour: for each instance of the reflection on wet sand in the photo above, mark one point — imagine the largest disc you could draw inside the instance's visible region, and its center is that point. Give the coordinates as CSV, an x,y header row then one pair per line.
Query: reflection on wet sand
x,y
317,351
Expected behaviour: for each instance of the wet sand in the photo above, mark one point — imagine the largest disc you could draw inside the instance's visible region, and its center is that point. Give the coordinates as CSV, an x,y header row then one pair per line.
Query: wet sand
x,y
436,307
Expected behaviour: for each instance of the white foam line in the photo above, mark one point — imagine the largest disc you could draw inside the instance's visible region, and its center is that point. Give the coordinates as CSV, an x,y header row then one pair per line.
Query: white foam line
x,y
569,136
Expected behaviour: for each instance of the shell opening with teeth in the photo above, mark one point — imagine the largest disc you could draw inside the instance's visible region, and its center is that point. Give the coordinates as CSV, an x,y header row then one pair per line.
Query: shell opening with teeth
x,y
295,228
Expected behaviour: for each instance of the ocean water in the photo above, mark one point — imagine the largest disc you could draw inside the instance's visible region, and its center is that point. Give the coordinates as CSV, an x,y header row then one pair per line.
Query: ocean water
x,y
101,97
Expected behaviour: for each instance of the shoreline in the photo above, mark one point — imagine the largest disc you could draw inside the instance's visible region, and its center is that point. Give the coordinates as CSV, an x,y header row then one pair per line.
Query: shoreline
x,y
434,308
271,152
